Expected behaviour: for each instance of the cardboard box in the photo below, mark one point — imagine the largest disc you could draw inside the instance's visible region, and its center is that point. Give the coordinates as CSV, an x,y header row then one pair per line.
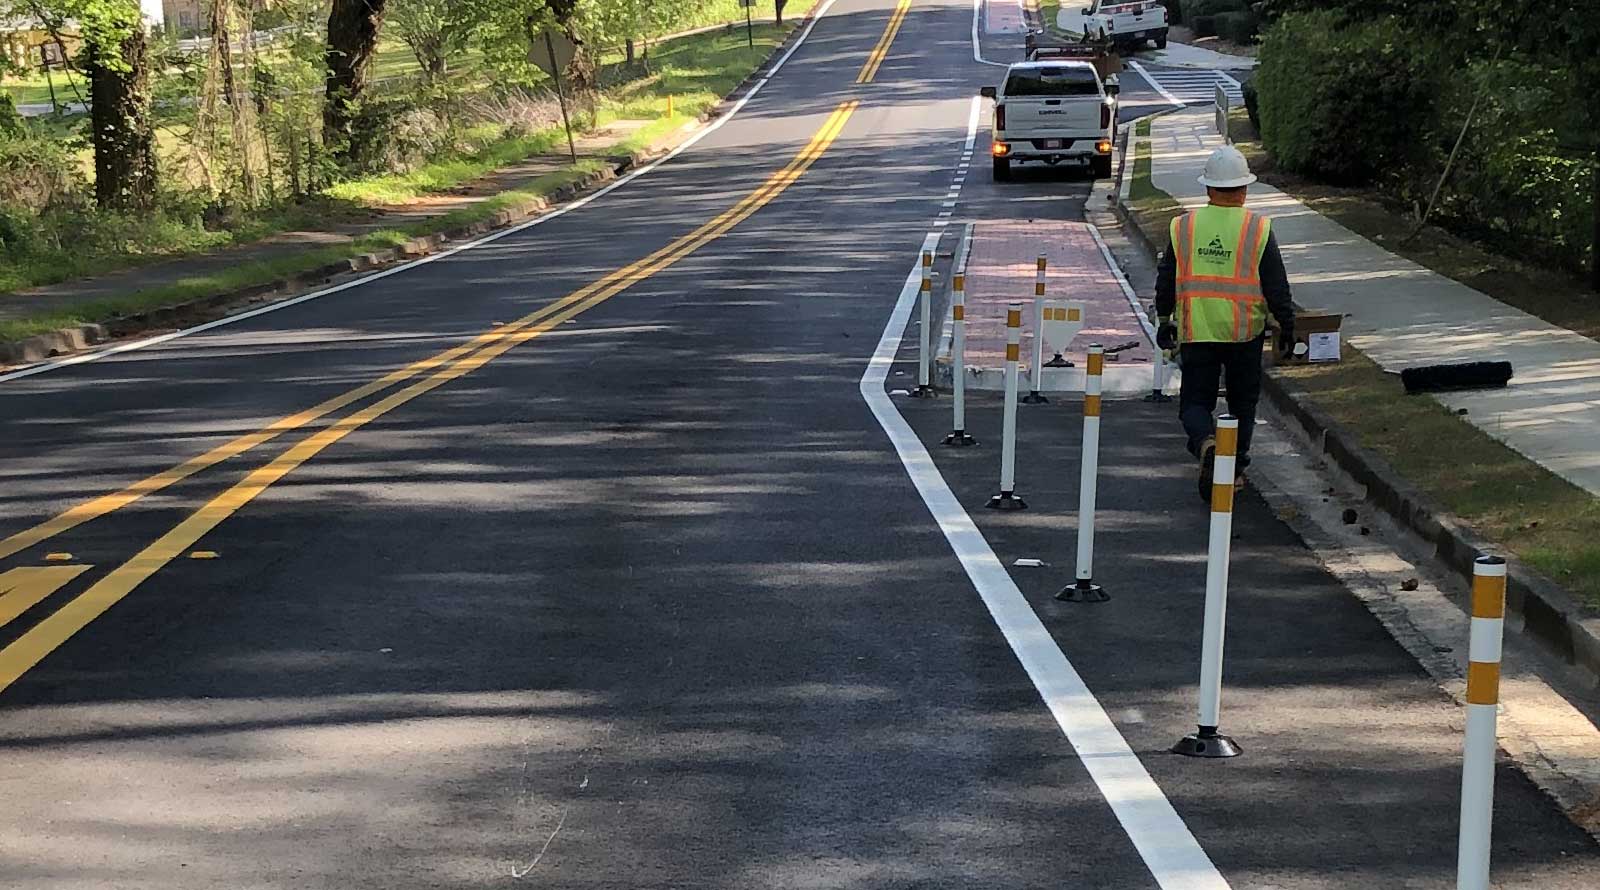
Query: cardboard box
x,y
1320,331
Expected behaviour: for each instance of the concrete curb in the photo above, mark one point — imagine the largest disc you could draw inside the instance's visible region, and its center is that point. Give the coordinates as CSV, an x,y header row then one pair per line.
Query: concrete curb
x,y
65,341
1548,613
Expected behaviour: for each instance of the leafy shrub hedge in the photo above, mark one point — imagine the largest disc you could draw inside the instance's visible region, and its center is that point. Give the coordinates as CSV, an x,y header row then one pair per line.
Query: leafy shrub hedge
x,y
1252,103
1174,11
1345,104
1203,25
1237,27
1356,103
1195,8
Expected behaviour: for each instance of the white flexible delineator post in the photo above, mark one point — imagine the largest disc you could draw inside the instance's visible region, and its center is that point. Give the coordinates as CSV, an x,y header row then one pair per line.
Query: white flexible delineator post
x,y
1036,371
1483,713
1207,741
1084,590
958,437
925,334
1007,498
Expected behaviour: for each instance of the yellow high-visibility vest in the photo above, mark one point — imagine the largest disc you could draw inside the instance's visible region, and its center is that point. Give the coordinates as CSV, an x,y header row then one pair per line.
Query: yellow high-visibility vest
x,y
1219,252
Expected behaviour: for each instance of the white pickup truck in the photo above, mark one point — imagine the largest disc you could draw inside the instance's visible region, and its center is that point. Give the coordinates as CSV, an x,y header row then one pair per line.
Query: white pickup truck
x,y
1052,111
1126,24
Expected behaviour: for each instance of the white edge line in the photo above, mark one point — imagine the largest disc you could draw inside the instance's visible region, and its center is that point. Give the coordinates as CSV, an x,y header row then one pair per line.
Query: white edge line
x,y
1171,99
1167,846
377,276
977,53
1127,289
1229,78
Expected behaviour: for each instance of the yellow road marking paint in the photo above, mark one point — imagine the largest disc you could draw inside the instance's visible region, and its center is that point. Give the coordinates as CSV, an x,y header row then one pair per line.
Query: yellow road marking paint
x,y
106,504
27,650
204,554
23,587
58,557
869,70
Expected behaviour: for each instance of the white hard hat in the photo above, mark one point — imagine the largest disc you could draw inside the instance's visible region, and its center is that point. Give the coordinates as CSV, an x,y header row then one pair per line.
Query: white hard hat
x,y
1227,169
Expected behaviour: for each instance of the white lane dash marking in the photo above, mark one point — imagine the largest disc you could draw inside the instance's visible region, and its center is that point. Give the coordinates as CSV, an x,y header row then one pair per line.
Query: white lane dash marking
x,y
377,276
1169,849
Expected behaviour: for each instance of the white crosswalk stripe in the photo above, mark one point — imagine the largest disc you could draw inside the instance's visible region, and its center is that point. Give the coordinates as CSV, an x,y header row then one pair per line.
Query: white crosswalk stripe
x,y
1194,87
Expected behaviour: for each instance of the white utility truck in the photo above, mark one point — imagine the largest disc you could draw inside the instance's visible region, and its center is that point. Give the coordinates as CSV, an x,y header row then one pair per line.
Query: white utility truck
x,y
1126,25
1059,106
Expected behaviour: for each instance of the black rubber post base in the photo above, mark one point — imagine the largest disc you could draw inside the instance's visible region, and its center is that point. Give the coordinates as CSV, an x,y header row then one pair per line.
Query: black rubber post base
x,y
1207,742
960,439
1007,500
1058,362
1034,398
1083,592
1157,395
924,391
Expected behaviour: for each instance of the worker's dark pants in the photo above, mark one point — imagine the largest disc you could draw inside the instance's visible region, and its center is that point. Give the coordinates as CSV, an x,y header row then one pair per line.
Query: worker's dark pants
x,y
1204,365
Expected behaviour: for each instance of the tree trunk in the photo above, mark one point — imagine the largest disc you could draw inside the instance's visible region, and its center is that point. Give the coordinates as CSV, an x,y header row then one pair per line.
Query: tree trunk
x,y
124,143
1594,243
352,38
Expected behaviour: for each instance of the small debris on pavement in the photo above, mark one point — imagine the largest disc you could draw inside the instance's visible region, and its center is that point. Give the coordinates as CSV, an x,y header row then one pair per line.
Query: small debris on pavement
x,y
1408,584
1349,516
1365,530
1029,563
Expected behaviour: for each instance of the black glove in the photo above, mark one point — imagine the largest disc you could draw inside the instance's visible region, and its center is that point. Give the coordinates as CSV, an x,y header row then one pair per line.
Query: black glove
x,y
1286,343
1167,335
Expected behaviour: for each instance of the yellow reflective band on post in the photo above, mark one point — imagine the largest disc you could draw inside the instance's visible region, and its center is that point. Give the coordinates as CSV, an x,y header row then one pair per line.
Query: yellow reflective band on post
x,y
960,281
1013,318
1038,288
1012,352
1074,315
927,284
1483,683
1227,442
1097,364
1222,496
1489,596
1039,264
958,311
1091,406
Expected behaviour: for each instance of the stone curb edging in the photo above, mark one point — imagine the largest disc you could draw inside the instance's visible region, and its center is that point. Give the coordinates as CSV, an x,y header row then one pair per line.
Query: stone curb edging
x,y
1549,613
64,341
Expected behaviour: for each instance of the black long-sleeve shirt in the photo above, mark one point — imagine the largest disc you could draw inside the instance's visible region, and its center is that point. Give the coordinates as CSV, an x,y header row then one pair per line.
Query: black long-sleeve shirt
x,y
1274,284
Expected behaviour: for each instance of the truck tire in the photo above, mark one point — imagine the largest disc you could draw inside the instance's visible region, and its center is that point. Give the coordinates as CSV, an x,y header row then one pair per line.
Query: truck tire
x,y
1161,41
1002,169
1100,167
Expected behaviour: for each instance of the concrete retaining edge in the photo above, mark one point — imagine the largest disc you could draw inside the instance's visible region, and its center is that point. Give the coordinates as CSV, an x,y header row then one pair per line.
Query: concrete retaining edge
x,y
65,341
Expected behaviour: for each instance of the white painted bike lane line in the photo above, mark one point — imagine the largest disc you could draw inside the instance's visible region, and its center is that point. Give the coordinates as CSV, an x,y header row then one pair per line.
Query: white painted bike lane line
x,y
1168,848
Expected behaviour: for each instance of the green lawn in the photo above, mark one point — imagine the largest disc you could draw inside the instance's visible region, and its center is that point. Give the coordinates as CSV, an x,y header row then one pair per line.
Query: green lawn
x,y
696,71
33,88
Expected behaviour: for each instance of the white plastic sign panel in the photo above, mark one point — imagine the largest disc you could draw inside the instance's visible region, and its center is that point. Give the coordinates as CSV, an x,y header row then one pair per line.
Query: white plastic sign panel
x,y
1063,319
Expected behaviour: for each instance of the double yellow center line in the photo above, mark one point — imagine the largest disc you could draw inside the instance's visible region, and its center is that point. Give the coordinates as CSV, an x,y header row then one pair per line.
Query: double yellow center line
x,y
881,51
55,629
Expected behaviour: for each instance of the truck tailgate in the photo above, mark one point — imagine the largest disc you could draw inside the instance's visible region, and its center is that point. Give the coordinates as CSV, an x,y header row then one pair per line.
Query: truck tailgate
x,y
1037,116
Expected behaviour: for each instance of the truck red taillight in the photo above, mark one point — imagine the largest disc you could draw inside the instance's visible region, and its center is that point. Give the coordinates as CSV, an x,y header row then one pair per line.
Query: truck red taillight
x,y
999,117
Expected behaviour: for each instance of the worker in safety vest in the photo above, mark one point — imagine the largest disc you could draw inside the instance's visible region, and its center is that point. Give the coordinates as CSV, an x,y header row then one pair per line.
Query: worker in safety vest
x,y
1220,278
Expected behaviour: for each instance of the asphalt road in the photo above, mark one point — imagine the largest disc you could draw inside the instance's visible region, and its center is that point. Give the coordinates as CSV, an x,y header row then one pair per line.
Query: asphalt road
x,y
648,600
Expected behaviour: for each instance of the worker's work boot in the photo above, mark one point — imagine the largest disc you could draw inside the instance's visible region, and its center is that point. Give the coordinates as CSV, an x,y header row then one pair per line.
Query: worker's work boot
x,y
1208,466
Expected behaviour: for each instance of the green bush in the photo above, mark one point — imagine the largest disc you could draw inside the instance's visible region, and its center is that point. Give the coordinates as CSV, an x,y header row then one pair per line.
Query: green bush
x,y
1237,27
1203,25
1193,9
1174,11
1252,103
1346,104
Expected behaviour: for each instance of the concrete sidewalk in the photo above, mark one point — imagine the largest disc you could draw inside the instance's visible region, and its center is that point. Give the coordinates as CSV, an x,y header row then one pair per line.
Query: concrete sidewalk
x,y
1401,315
